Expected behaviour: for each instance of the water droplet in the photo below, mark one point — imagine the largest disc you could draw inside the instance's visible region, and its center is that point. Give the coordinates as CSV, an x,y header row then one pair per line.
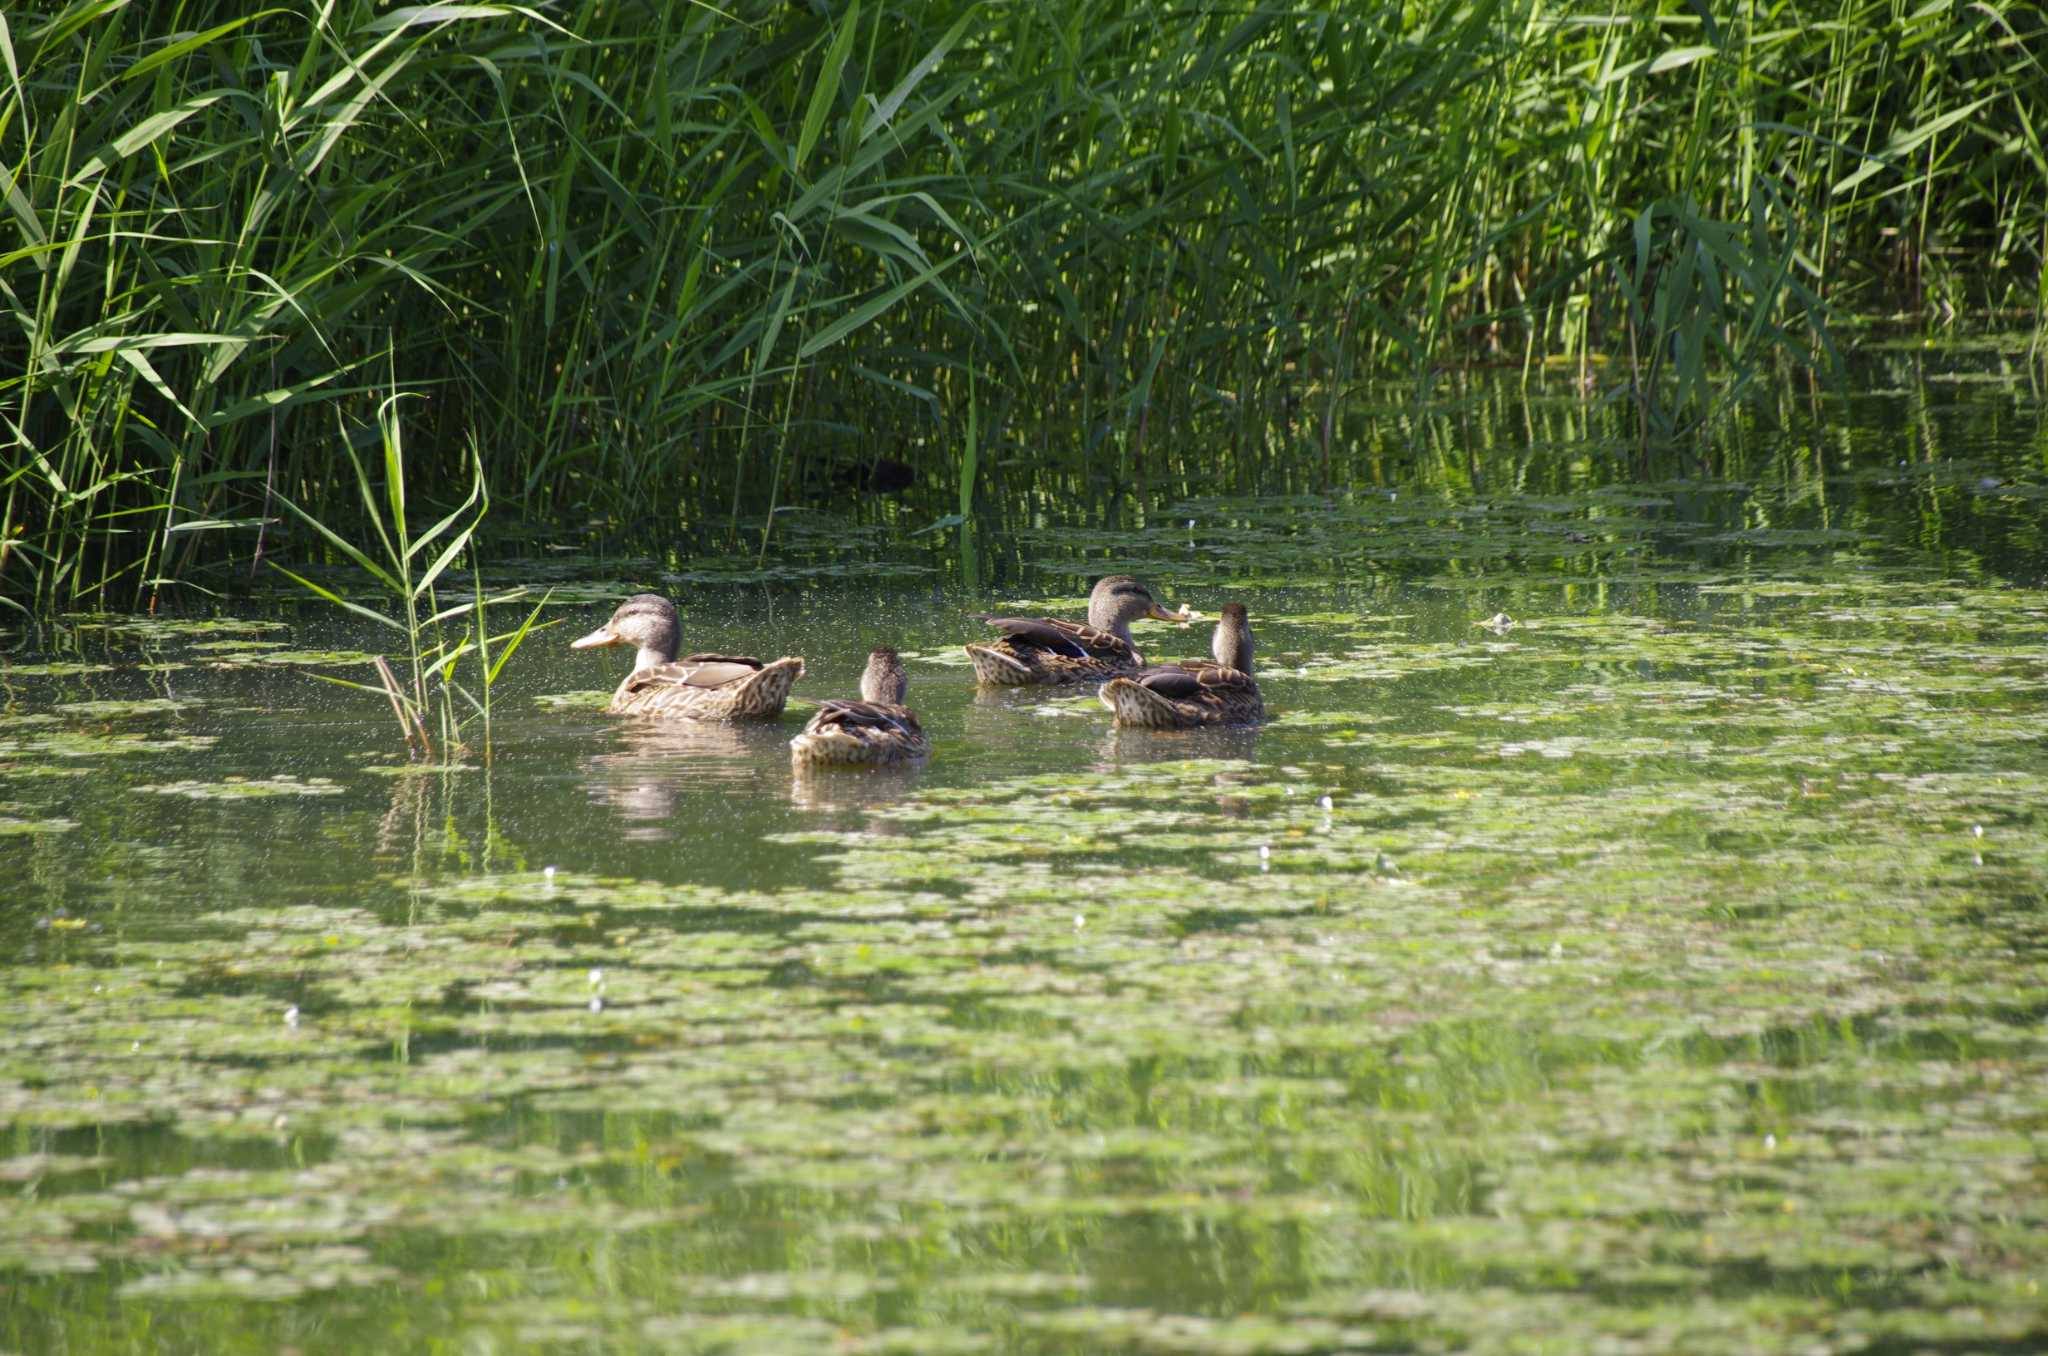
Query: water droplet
x,y
596,1003
1770,1144
1080,921
291,1016
596,977
1977,829
1326,802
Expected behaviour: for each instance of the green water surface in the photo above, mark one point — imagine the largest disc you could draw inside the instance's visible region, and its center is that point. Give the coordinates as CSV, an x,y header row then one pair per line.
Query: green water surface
x,y
1665,972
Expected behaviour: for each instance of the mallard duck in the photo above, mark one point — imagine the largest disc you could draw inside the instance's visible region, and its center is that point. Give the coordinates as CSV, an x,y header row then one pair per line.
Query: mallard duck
x,y
1197,692
876,729
698,687
1034,650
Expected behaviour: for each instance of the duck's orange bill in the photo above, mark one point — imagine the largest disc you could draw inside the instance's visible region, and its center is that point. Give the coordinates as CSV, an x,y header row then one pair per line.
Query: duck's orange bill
x,y
1180,618
603,635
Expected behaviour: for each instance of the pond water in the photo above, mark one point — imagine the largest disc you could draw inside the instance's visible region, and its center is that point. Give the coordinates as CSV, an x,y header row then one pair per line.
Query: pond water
x,y
1667,971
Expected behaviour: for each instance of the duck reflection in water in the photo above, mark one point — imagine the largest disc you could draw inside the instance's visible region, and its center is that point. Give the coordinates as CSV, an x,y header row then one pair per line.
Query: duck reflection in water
x,y
1237,744
666,774
1122,747
659,766
818,789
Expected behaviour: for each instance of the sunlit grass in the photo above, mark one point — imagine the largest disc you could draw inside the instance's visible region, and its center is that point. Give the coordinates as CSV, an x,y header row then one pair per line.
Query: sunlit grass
x,y
667,262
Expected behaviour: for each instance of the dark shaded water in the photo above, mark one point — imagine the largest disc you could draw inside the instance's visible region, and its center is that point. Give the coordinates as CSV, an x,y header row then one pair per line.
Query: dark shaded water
x,y
1663,972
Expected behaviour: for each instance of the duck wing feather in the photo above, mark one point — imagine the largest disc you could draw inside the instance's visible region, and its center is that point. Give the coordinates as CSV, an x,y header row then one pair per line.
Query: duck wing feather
x,y
851,714
1072,639
1185,681
697,670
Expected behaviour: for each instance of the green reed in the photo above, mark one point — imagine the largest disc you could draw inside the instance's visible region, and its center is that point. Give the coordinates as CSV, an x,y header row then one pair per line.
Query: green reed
x,y
406,563
669,264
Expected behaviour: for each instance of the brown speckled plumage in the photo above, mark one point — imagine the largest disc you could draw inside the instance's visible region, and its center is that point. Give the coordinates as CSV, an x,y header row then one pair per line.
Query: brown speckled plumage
x,y
1197,692
697,687
877,729
1043,650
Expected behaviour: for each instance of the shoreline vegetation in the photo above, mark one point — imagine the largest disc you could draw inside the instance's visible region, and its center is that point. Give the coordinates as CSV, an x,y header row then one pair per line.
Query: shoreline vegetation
x,y
667,264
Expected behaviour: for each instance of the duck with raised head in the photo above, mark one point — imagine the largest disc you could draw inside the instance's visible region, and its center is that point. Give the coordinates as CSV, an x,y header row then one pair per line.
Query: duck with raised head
x,y
878,728
1036,650
696,687
1197,692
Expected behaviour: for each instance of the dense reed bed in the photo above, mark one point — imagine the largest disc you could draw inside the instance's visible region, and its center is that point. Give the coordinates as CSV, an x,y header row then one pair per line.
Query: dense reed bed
x,y
663,262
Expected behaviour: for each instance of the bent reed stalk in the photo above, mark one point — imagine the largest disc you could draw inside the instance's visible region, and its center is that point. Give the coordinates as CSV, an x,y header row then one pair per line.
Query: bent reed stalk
x,y
661,253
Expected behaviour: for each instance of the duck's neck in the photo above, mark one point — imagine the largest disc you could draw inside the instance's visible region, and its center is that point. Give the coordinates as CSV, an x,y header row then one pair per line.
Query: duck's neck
x,y
652,656
1118,626
1233,646
883,687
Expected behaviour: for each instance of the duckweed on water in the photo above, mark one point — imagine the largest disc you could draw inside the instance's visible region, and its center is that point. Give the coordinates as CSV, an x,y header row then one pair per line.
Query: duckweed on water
x,y
11,825
235,788
78,744
158,629
246,655
57,669
590,699
1656,976
110,710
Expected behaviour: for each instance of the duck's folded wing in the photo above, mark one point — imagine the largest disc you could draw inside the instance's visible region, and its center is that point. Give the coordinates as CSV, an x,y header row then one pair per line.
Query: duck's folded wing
x,y
1060,637
1185,681
879,716
744,661
699,670
1171,680
1223,678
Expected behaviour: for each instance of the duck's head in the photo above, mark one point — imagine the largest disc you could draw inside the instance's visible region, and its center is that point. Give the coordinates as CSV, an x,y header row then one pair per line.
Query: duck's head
x,y
884,681
647,622
1117,600
1232,644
